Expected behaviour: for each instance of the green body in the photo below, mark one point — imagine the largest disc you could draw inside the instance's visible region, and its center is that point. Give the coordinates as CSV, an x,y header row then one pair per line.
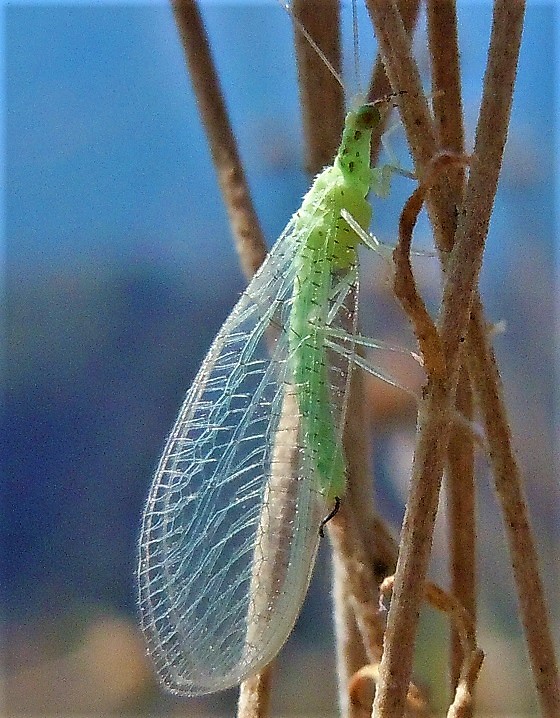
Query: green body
x,y
328,254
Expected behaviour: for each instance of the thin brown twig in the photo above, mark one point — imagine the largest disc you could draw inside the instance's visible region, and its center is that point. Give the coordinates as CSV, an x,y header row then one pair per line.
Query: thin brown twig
x,y
471,659
404,77
350,651
358,573
380,551
391,696
470,654
465,260
404,284
460,484
416,705
446,99
461,507
464,267
403,74
321,96
249,239
254,695
509,488
359,576
546,657
379,85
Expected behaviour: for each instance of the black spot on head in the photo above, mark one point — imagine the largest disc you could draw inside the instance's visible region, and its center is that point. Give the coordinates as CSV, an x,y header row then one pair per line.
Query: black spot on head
x,y
351,166
345,150
357,135
368,117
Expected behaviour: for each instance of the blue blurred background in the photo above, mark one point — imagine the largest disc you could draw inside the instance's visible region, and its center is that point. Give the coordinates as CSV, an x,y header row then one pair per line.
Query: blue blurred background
x,y
119,269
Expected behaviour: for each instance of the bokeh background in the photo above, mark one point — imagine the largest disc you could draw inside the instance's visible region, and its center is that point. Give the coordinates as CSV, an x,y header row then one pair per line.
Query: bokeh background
x,y
118,271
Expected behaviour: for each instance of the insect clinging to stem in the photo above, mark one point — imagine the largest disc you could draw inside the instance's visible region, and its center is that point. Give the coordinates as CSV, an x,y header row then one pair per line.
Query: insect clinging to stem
x,y
254,462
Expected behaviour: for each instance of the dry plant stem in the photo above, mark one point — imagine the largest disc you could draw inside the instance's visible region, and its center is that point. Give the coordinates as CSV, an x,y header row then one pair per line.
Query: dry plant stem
x,y
254,695
249,238
391,696
350,651
379,85
416,706
417,532
464,266
377,539
465,261
446,102
420,129
358,573
429,341
461,507
471,656
460,484
403,74
508,483
462,274
361,691
355,569
353,564
318,88
427,466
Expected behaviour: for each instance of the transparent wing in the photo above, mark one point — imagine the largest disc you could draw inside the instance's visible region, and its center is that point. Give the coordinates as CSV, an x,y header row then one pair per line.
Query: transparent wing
x,y
231,525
